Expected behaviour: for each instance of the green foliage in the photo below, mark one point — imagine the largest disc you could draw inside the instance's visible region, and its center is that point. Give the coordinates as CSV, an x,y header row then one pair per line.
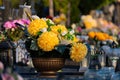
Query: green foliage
x,y
61,5
1,3
46,2
15,3
69,36
14,35
87,5
75,12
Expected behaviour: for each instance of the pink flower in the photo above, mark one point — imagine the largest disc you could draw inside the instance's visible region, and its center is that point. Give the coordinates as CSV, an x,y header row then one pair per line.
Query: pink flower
x,y
7,77
25,21
8,25
18,21
1,66
79,29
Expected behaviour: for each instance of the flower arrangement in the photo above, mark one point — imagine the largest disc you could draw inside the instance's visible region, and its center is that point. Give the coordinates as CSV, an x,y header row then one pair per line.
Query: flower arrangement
x,y
13,31
45,37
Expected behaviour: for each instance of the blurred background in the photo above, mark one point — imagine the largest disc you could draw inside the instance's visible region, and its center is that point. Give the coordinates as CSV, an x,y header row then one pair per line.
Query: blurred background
x,y
72,9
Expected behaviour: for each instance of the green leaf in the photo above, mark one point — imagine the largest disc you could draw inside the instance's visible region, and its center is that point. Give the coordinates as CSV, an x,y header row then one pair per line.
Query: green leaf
x,y
39,33
59,30
49,23
69,36
48,29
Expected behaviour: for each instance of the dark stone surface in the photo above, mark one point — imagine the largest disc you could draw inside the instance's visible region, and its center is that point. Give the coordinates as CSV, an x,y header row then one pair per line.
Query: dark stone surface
x,y
29,73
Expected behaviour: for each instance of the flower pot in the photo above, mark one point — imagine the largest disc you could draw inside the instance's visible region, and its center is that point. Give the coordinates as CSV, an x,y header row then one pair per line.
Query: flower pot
x,y
48,66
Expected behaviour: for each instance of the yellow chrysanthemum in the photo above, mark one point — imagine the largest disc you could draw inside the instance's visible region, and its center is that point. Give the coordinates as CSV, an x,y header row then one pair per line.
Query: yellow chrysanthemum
x,y
35,26
58,28
47,41
75,39
78,52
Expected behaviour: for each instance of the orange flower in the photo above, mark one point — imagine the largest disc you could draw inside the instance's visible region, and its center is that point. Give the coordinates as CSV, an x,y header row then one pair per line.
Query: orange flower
x,y
110,37
100,36
91,34
106,35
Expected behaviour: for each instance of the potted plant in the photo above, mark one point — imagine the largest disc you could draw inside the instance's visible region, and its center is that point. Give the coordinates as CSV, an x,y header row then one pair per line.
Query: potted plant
x,y
49,45
14,33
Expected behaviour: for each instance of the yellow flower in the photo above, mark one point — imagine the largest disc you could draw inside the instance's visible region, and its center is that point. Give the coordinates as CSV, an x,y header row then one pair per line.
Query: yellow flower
x,y
63,17
89,22
88,25
75,39
78,52
57,20
35,26
58,28
47,41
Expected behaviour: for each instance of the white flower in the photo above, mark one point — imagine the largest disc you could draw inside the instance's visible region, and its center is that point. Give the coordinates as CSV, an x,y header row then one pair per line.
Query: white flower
x,y
35,17
51,21
44,19
72,32
73,26
64,42
83,17
63,33
13,29
43,30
